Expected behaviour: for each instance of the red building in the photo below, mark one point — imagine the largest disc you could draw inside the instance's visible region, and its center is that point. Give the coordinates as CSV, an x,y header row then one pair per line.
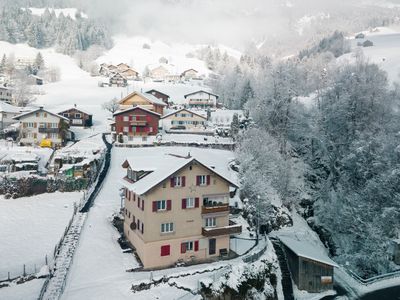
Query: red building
x,y
135,121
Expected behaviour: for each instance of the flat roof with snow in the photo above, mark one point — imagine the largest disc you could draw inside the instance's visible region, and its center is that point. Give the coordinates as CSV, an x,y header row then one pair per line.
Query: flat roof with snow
x,y
305,249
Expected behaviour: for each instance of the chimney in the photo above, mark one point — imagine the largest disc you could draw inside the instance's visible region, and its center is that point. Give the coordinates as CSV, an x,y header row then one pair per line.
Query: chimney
x,y
41,107
75,105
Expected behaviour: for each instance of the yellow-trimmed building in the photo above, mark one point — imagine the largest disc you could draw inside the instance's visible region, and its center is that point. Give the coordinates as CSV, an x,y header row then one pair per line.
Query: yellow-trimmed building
x,y
145,100
176,210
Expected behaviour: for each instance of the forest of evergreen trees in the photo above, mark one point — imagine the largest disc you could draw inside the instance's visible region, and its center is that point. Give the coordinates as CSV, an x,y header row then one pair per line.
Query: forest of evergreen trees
x,y
65,34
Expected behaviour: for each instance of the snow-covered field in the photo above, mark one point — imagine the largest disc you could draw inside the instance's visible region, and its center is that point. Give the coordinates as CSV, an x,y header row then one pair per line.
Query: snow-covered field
x,y
30,228
27,291
384,52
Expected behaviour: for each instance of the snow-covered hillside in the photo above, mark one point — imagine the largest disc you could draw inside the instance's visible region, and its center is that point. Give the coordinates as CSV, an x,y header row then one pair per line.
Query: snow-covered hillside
x,y
140,52
384,52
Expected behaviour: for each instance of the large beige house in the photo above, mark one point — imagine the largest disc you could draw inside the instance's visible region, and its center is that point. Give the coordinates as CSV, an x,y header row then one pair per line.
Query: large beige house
x,y
183,119
176,210
145,100
39,125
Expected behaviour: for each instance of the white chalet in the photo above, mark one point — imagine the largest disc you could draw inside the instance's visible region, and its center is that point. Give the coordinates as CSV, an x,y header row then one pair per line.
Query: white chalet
x,y
201,99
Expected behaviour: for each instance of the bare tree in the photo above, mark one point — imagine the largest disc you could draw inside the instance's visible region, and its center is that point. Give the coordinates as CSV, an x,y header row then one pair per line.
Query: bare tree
x,y
112,106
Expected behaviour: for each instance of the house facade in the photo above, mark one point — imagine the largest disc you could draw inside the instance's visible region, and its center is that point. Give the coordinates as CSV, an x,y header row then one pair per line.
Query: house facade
x,y
77,117
159,73
118,80
183,119
189,74
177,211
130,74
201,99
159,95
41,127
5,94
145,100
136,121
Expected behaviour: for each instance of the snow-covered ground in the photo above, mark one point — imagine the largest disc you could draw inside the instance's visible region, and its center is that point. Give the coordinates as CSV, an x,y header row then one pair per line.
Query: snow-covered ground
x,y
30,229
27,291
384,52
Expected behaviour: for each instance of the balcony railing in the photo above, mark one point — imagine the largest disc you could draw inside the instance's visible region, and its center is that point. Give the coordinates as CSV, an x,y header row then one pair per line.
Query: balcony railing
x,y
49,130
232,228
215,209
138,122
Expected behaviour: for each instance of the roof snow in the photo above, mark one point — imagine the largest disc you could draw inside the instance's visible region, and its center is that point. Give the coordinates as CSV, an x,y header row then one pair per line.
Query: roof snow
x,y
160,169
5,107
305,249
146,96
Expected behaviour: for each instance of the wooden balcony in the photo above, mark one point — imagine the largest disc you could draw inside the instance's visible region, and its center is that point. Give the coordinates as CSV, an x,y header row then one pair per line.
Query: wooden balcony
x,y
232,228
138,123
215,209
49,130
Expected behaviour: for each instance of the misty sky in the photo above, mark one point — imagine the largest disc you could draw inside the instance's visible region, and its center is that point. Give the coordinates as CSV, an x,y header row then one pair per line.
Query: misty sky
x,y
233,22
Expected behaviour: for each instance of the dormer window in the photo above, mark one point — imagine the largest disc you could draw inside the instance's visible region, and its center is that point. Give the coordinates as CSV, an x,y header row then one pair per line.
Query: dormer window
x,y
132,175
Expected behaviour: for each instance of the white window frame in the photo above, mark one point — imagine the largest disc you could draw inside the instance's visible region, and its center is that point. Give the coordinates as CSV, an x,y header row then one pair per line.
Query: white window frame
x,y
78,115
161,205
177,181
203,180
189,246
210,222
167,227
125,129
125,118
190,202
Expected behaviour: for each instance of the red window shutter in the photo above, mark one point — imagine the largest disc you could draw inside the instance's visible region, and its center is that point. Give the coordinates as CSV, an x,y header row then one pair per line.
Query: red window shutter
x,y
196,202
183,203
154,206
148,118
183,180
137,118
142,204
130,118
196,245
137,129
169,204
197,180
172,181
138,203
165,250
183,248
134,197
208,179
130,128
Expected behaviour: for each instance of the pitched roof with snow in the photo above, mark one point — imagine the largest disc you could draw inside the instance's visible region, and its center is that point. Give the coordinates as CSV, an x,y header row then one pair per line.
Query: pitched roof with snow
x,y
21,116
134,108
154,90
179,110
149,97
305,249
78,109
201,91
160,170
5,107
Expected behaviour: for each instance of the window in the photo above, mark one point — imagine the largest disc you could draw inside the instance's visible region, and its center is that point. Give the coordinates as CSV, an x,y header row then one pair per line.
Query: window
x,y
53,125
189,202
66,115
211,222
202,180
189,246
78,116
165,250
126,119
126,129
30,125
167,227
162,205
42,125
178,181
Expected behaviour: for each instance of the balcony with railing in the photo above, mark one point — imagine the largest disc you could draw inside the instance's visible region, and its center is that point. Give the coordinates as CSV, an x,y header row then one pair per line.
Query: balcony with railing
x,y
219,207
48,130
232,228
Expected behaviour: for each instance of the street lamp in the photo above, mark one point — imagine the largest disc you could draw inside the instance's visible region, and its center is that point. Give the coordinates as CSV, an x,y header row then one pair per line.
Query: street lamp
x,y
122,196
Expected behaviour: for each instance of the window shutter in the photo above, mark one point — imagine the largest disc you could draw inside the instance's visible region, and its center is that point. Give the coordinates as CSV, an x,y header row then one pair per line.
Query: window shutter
x,y
183,203
165,250
137,129
35,125
138,203
197,180
148,118
208,179
172,181
142,228
196,245
142,204
169,204
196,202
134,197
183,248
183,180
130,128
154,206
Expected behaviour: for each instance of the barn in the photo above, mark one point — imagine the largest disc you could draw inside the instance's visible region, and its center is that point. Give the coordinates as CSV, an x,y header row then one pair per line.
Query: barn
x,y
310,268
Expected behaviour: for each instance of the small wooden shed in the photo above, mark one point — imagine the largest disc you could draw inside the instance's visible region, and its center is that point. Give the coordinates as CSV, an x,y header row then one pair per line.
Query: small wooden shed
x,y
311,269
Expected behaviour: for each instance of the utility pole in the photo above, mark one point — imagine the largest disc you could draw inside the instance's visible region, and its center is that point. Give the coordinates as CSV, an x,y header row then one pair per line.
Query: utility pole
x,y
258,216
